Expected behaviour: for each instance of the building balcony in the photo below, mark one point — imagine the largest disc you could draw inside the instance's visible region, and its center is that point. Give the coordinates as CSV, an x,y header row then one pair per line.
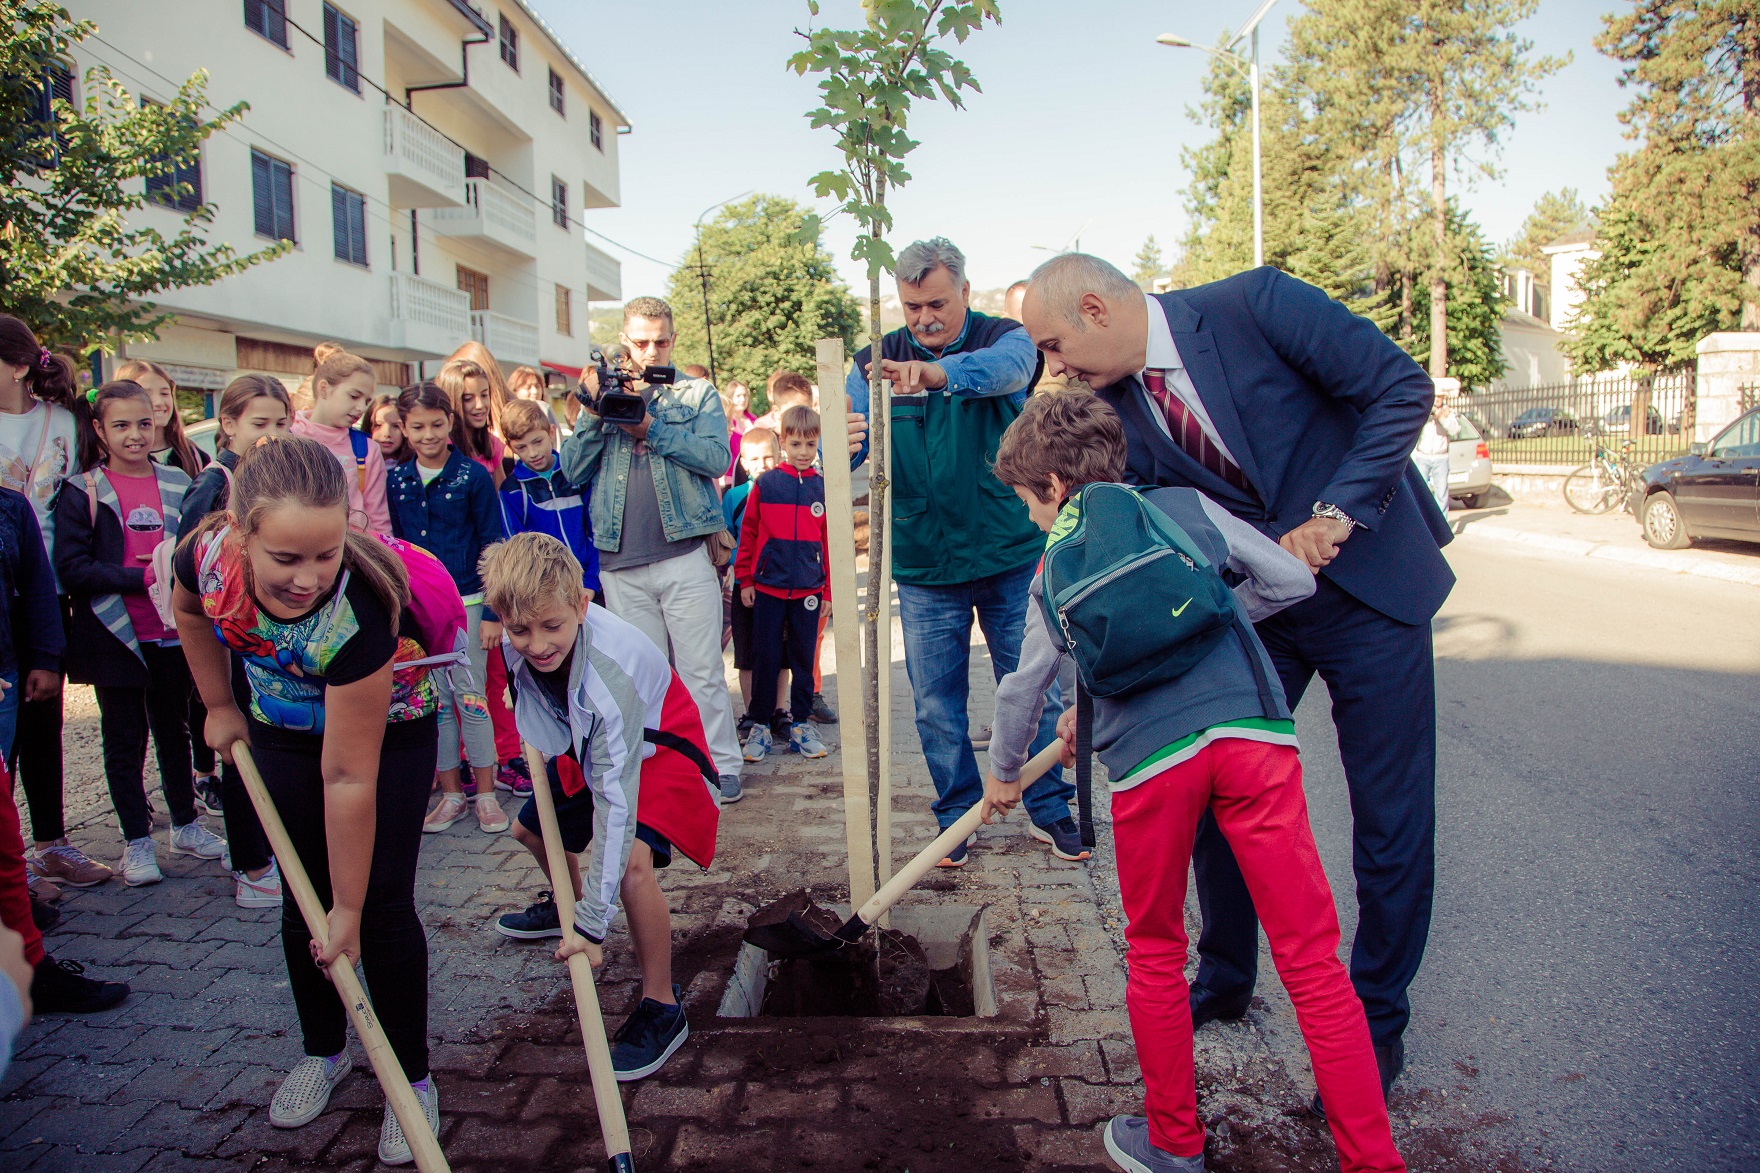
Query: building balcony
x,y
604,276
428,318
425,169
510,340
491,216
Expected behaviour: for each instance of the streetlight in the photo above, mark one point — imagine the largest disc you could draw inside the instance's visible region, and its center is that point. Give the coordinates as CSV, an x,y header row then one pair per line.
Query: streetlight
x,y
1248,68
703,272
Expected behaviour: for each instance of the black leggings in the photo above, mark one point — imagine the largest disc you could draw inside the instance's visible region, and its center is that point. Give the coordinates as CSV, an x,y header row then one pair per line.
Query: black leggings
x,y
394,949
124,716
36,752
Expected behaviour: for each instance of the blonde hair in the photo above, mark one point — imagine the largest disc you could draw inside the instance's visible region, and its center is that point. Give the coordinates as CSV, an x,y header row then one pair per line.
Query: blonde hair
x,y
522,417
453,379
799,420
304,471
527,573
522,380
332,365
188,458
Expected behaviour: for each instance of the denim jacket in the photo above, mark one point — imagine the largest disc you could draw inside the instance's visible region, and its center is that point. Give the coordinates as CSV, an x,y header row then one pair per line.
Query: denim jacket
x,y
687,440
454,518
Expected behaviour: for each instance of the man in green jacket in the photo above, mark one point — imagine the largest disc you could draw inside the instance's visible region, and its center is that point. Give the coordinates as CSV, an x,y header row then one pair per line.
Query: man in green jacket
x,y
962,544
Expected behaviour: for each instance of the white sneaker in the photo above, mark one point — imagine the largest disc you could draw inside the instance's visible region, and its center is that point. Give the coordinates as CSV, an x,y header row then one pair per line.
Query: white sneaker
x,y
195,839
393,1145
303,1094
140,862
262,892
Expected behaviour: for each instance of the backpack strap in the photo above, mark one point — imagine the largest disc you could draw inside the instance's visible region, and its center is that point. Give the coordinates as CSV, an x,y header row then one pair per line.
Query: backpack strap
x,y
1267,700
91,481
358,440
1085,764
673,741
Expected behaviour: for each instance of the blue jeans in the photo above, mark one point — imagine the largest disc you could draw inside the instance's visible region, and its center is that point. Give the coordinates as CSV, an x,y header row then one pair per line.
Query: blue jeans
x,y
937,623
8,715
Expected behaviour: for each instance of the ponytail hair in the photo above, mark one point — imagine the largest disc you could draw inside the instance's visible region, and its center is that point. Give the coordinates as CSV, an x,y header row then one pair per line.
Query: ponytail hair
x,y
187,456
88,413
50,377
334,364
306,473
453,379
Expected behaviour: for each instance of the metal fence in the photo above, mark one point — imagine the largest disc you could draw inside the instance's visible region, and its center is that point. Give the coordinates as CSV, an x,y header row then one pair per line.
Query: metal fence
x,y
1557,423
1747,397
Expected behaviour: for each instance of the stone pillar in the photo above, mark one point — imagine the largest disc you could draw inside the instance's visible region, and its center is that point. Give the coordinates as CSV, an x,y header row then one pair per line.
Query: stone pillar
x,y
1728,362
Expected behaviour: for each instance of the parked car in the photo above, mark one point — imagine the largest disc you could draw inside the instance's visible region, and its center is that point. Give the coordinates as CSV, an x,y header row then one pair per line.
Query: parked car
x,y
1469,460
1541,421
204,435
1712,492
1620,420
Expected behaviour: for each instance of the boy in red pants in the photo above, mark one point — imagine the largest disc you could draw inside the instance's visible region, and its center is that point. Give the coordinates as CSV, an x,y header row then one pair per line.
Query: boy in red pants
x,y
1219,735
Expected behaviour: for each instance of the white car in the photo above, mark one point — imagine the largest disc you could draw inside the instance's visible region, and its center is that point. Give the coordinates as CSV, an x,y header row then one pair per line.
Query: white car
x,y
1469,461
205,435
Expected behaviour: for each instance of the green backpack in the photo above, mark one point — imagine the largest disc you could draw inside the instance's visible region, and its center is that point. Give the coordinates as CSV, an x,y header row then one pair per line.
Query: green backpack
x,y
1136,600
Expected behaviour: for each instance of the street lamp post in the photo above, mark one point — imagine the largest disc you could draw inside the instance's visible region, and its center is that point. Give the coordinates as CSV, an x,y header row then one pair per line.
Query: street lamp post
x,y
1248,67
703,273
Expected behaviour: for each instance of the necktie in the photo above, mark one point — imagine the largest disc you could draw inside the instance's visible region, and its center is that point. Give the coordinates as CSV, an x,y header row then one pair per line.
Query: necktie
x,y
1183,426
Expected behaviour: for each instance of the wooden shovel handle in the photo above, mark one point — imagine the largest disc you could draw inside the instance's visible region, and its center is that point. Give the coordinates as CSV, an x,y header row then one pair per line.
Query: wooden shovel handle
x,y
606,1095
907,876
411,1116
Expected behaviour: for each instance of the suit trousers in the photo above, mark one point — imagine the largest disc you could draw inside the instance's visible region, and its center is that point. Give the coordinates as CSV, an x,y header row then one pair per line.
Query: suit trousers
x,y
1381,676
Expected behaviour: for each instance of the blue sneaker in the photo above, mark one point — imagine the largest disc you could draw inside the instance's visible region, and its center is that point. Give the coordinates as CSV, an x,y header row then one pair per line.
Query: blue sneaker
x,y
731,791
1128,1143
1064,837
648,1038
758,744
539,921
804,740
957,857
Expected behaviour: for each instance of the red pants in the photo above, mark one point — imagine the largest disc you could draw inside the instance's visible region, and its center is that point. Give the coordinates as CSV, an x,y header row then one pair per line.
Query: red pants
x,y
507,746
15,892
1255,791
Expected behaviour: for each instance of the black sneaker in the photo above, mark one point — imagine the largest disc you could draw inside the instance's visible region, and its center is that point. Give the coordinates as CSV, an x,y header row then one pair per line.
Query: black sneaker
x,y
1064,837
208,794
648,1038
745,727
539,921
781,726
60,987
823,713
44,916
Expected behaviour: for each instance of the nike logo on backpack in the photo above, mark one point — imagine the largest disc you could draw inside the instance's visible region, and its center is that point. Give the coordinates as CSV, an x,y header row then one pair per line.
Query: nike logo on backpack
x,y
1181,609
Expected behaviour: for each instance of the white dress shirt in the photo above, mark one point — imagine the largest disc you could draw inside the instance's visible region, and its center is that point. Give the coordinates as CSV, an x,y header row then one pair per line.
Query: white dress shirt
x,y
1162,354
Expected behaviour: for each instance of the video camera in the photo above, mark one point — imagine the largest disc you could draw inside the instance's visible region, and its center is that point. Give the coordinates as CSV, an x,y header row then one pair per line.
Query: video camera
x,y
617,401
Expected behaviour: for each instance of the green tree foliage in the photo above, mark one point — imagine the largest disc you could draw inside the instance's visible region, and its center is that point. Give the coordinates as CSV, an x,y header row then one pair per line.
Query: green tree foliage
x,y
1149,266
771,295
1680,235
1475,306
79,254
1555,214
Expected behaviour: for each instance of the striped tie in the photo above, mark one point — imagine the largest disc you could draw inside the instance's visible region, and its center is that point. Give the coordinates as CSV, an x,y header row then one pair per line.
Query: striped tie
x,y
1183,426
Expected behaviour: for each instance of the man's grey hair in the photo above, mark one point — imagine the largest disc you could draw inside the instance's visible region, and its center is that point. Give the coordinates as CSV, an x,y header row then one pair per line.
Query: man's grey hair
x,y
923,257
1060,282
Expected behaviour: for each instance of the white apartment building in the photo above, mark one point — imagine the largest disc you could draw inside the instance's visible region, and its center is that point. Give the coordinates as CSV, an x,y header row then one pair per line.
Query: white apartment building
x,y
431,161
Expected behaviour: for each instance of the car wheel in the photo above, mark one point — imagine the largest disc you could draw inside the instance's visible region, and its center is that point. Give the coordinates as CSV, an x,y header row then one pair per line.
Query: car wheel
x,y
1663,527
1474,500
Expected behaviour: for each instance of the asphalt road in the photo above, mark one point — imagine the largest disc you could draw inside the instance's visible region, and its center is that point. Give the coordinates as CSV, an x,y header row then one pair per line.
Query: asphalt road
x,y
1590,985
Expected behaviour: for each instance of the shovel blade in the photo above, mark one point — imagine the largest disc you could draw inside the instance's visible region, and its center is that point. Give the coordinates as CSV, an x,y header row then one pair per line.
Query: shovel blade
x,y
792,938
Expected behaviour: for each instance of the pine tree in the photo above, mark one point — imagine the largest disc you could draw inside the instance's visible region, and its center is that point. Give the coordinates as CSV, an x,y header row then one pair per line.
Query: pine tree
x,y
1149,265
1475,306
1555,214
1680,235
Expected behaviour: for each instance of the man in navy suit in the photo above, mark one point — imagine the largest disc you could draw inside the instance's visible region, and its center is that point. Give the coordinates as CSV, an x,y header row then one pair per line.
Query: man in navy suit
x,y
1298,417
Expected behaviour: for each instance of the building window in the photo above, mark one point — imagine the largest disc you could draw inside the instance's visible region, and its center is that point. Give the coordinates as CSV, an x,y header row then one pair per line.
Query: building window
x,y
475,166
272,196
564,312
348,212
596,130
175,185
509,43
558,202
477,285
268,19
341,49
556,94
57,85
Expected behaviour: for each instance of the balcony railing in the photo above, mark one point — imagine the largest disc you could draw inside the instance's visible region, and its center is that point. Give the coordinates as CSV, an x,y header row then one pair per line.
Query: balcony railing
x,y
425,168
427,316
492,215
604,276
508,339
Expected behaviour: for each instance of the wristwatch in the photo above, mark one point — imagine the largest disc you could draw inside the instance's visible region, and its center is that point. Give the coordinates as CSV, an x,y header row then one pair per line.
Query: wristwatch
x,y
1322,509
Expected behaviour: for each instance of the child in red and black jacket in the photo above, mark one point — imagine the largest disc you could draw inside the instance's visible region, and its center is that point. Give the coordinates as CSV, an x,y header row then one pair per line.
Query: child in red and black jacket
x,y
783,553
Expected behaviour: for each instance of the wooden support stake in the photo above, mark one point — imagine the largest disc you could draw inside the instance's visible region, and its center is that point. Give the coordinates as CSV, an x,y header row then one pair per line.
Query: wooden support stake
x,y
883,790
846,623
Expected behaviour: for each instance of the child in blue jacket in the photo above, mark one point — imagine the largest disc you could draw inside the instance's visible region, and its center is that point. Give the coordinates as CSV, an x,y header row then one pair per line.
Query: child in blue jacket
x,y
444,502
537,497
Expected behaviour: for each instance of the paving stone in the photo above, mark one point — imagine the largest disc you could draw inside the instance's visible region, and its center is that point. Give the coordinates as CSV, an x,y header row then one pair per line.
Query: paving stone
x,y
92,1126
89,1082
479,1139
1121,1062
247,932
193,1132
255,1135
172,1044
699,1103
16,1116
253,1085
772,1102
1035,1102
71,1159
1081,1059
467,1059
713,1147
1088,1103
185,1084
555,1097
158,924
1062,1148
1069,1026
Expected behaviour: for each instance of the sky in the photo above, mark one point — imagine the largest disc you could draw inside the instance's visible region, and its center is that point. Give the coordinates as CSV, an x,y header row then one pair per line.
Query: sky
x,y
1076,136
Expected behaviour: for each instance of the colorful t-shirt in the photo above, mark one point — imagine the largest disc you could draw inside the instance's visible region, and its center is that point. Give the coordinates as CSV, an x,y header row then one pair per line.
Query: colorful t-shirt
x,y
289,662
143,528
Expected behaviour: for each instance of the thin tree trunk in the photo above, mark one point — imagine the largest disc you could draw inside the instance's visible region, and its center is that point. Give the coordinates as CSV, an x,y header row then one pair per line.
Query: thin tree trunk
x,y
1439,234
877,645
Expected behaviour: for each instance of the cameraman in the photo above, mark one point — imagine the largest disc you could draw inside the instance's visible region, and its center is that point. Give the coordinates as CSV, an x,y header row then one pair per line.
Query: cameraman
x,y
654,502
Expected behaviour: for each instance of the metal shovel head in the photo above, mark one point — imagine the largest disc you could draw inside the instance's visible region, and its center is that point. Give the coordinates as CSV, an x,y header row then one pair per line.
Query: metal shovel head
x,y
795,927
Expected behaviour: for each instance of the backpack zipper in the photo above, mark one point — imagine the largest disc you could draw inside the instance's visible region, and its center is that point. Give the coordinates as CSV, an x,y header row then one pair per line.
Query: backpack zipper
x,y
1115,571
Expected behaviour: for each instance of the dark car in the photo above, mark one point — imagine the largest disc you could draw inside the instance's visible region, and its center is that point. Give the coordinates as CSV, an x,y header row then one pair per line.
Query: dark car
x,y
1712,492
1620,420
1541,421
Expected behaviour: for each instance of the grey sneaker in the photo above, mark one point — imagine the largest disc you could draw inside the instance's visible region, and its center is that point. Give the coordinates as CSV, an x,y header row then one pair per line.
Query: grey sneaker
x,y
731,790
758,744
1128,1143
195,839
303,1094
393,1145
804,740
140,862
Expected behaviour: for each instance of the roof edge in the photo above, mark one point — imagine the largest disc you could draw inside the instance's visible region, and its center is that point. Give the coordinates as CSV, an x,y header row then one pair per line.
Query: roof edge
x,y
544,27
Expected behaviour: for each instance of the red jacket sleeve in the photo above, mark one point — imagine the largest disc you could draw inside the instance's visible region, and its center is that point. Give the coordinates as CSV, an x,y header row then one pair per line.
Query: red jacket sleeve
x,y
749,540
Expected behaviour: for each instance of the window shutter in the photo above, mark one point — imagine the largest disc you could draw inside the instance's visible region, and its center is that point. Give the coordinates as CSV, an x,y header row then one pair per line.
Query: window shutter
x,y
339,222
283,199
357,228
262,195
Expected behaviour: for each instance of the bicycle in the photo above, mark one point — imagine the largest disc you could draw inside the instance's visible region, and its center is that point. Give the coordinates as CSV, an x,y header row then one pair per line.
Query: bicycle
x,y
1608,480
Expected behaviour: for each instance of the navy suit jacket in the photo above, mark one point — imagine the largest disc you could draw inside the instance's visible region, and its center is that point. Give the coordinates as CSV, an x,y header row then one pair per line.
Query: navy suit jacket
x,y
1316,404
